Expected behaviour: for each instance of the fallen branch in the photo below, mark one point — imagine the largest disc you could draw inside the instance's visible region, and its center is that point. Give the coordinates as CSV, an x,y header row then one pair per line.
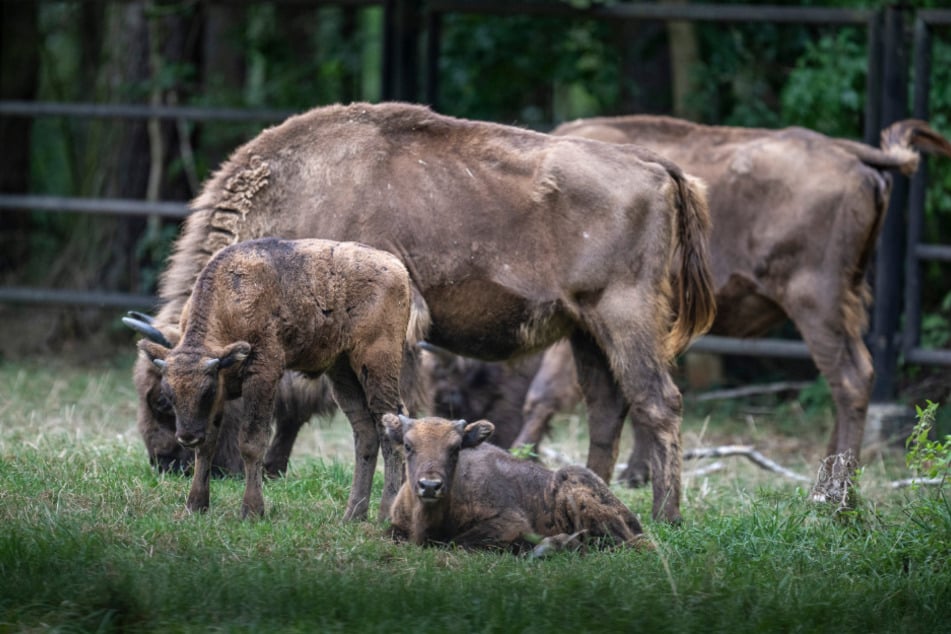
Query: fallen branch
x,y
750,390
907,482
556,456
747,452
702,471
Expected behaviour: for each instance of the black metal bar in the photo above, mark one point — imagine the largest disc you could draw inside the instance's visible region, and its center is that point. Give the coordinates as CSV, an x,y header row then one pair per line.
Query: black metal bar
x,y
752,347
889,257
916,199
433,45
873,80
111,206
137,111
692,12
938,252
67,297
926,356
388,63
408,17
936,17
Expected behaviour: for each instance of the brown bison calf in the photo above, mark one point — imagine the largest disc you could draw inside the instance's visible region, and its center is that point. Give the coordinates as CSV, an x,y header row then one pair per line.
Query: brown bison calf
x,y
475,495
263,306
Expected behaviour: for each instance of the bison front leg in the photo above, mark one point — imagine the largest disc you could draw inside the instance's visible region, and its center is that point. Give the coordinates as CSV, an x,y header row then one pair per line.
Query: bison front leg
x,y
379,364
252,442
366,439
199,494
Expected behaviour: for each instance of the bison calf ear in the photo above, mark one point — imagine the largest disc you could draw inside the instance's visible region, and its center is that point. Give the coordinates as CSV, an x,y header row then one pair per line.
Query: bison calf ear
x,y
234,354
394,427
476,432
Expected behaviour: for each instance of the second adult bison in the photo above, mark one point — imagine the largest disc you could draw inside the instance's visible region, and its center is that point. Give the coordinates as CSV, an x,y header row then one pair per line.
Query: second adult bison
x,y
795,218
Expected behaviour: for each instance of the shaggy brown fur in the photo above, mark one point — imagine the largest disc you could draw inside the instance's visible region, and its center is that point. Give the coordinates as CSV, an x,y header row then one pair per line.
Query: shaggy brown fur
x,y
479,496
795,219
513,240
264,306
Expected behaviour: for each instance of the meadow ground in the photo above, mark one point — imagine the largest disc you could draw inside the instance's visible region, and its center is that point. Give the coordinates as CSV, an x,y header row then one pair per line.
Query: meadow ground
x,y
92,539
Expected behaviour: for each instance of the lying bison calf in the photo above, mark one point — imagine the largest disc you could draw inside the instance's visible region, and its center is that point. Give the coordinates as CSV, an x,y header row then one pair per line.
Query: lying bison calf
x,y
476,495
264,306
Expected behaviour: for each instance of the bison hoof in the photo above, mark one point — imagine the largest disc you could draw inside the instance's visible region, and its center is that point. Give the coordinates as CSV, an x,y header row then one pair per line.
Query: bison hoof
x,y
196,508
636,475
248,512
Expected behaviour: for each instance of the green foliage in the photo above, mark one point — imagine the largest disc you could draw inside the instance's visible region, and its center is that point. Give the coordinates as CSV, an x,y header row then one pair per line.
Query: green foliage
x,y
523,452
927,458
929,509
826,90
490,69
936,325
816,397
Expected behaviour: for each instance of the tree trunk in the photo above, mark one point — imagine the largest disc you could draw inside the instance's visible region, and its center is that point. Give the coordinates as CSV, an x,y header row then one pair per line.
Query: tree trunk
x,y
645,67
19,59
684,55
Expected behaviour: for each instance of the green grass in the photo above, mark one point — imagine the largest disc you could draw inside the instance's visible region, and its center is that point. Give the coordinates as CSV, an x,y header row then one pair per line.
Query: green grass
x,y
91,539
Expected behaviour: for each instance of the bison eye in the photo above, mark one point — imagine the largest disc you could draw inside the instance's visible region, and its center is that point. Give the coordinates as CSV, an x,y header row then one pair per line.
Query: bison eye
x,y
408,448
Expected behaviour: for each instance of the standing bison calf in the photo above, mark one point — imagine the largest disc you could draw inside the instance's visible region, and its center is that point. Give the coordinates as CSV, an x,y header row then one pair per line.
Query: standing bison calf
x,y
264,306
476,495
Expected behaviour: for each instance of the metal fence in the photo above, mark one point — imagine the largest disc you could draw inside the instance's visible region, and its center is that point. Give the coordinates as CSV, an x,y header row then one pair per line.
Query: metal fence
x,y
409,22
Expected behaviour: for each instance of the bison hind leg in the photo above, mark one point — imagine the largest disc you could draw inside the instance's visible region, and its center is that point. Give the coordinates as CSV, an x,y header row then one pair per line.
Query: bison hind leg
x,y
584,504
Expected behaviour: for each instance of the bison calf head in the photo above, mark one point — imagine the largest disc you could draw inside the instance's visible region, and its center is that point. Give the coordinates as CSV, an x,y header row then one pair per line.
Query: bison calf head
x,y
197,382
431,448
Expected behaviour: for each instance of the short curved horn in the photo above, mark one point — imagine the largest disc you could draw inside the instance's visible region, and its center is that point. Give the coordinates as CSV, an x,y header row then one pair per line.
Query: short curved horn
x,y
147,330
134,314
212,364
405,421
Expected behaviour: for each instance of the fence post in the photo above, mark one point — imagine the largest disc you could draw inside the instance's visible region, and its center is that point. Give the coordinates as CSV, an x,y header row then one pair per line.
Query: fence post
x,y
890,258
433,44
401,27
916,199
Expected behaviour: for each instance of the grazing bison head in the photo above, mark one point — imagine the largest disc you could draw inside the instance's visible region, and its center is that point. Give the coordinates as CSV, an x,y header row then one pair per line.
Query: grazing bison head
x,y
431,447
156,418
196,382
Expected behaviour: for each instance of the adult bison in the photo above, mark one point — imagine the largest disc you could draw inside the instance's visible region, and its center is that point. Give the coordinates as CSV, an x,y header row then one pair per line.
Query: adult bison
x,y
513,240
795,218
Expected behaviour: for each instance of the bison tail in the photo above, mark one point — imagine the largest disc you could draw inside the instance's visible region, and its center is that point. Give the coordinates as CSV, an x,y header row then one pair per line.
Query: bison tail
x,y
901,142
907,137
694,303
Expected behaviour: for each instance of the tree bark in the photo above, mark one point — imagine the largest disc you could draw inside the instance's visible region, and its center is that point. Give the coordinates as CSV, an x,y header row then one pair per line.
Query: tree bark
x,y
19,59
684,55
